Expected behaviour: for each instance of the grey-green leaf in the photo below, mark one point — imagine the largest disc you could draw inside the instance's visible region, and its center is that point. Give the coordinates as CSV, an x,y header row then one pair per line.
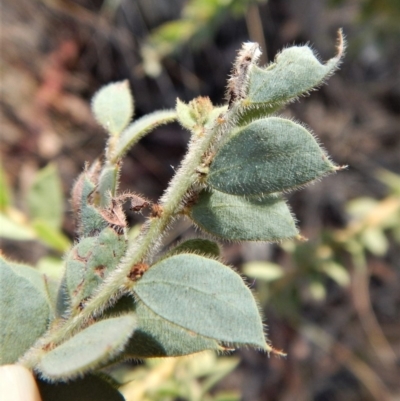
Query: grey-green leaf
x,y
88,349
46,286
204,296
90,261
244,219
267,156
45,197
157,337
88,388
24,312
296,70
112,106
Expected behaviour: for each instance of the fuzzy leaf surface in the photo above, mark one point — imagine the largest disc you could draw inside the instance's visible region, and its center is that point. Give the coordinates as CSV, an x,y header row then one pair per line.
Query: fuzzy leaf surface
x,y
112,106
46,286
88,388
267,156
204,296
157,337
296,70
88,349
91,260
244,219
24,312
45,197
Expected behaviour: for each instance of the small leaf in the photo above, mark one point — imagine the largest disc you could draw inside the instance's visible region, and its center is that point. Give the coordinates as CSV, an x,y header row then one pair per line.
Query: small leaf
x,y
88,349
295,71
199,246
185,117
24,312
204,296
88,388
337,273
12,230
63,301
239,219
375,241
112,106
199,113
139,129
51,236
90,261
265,271
157,337
269,155
92,222
45,197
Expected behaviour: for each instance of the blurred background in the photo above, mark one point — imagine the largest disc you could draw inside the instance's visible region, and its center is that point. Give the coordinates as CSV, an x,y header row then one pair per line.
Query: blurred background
x,y
331,303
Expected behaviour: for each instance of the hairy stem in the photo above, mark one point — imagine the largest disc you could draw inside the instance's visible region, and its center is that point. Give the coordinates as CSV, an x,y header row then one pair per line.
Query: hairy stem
x,y
143,247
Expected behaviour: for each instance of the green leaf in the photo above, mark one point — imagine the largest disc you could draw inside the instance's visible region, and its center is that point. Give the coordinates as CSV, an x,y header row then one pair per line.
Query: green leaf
x,y
204,296
24,312
239,219
92,222
336,272
295,71
266,156
185,115
157,337
5,191
45,197
199,246
91,260
12,230
139,129
198,114
50,235
63,301
112,106
265,271
88,388
47,287
88,349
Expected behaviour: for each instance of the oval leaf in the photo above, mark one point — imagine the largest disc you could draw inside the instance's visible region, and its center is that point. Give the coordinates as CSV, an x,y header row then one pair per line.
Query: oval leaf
x,y
88,349
88,388
239,219
266,156
295,71
24,312
204,296
112,106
